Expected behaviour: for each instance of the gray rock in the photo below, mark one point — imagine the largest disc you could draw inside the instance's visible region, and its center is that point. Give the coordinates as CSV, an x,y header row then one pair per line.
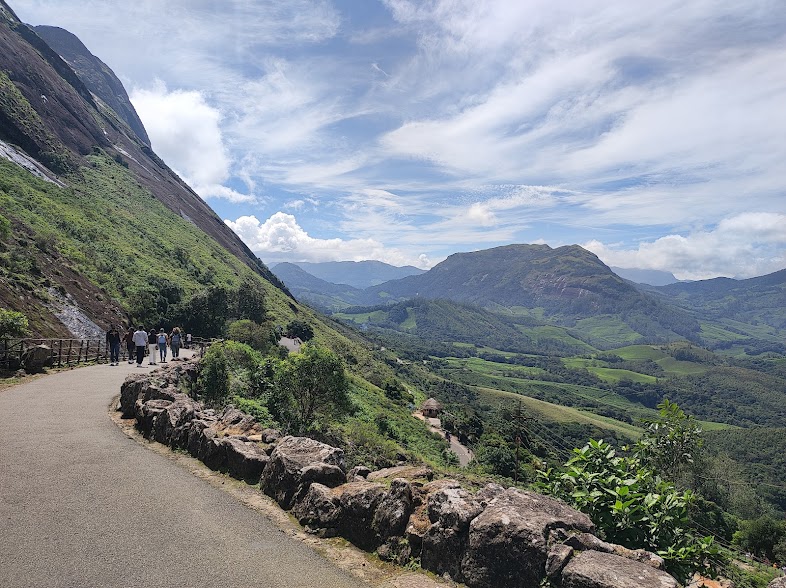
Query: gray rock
x,y
196,435
358,473
586,541
270,435
396,550
451,510
245,460
508,541
359,502
777,583
419,522
594,569
169,425
319,511
130,391
148,412
235,422
557,559
392,515
410,472
282,477
453,507
36,358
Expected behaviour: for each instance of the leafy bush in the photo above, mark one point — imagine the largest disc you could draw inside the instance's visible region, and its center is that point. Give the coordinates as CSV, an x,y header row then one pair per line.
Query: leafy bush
x,y
213,379
246,331
631,505
310,390
300,329
12,323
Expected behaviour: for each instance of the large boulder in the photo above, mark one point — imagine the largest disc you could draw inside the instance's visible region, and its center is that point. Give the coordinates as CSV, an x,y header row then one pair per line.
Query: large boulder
x,y
319,511
595,569
393,512
36,358
587,542
778,583
359,502
509,540
409,472
148,412
235,422
451,510
283,478
245,460
130,391
419,522
197,435
171,426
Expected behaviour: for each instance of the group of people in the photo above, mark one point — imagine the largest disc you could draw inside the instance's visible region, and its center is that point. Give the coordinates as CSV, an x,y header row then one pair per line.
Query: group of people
x,y
139,341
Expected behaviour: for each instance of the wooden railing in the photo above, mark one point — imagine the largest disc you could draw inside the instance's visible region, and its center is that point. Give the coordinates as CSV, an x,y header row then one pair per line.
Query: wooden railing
x,y
70,352
64,352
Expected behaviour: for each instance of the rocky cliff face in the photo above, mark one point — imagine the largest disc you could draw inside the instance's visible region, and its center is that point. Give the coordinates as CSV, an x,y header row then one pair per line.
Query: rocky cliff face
x,y
95,74
48,113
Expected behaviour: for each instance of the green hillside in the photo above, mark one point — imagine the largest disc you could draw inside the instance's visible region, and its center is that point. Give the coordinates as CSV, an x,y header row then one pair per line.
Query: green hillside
x,y
447,321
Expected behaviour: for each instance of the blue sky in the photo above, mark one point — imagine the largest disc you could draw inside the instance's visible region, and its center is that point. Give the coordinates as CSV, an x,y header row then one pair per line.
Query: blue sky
x,y
652,133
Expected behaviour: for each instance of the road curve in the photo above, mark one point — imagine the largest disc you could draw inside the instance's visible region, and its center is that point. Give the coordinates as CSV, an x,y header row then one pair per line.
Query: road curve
x,y
83,505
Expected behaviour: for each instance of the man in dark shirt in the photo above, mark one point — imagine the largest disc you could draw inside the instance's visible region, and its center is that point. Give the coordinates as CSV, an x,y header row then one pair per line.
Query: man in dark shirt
x,y
113,343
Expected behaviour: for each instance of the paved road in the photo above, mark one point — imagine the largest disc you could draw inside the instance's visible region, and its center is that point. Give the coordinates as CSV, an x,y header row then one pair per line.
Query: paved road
x,y
82,505
463,453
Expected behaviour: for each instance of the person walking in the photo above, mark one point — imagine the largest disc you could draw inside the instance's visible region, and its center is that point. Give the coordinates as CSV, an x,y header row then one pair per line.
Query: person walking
x,y
113,343
175,340
152,341
163,341
188,341
130,345
140,341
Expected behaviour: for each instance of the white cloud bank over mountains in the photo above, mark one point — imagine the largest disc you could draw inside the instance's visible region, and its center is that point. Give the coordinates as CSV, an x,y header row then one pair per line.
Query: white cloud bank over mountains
x,y
653,132
742,246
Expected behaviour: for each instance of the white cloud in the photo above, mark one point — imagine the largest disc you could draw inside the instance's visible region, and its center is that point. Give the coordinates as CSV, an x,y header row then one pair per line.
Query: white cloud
x,y
281,238
743,246
184,130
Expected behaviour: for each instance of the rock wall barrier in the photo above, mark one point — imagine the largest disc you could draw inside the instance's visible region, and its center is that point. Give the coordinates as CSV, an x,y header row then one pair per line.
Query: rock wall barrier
x,y
492,537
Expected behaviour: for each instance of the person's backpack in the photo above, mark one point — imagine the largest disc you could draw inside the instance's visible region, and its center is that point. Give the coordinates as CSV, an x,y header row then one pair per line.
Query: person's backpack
x,y
176,339
162,339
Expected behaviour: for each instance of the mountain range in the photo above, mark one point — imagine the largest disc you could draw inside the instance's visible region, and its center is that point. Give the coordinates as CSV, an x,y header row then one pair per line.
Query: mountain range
x,y
571,288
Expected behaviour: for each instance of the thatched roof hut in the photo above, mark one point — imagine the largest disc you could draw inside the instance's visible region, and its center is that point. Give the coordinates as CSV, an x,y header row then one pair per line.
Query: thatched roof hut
x,y
431,408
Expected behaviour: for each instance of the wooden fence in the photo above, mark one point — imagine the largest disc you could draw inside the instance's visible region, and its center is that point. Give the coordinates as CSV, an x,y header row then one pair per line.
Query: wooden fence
x,y
64,352
70,352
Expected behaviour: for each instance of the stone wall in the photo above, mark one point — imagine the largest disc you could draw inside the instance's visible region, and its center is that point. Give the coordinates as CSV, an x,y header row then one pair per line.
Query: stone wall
x,y
492,537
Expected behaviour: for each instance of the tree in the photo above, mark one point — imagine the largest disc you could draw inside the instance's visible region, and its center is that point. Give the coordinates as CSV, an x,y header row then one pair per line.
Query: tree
x,y
670,441
250,301
761,536
311,388
260,337
300,329
12,324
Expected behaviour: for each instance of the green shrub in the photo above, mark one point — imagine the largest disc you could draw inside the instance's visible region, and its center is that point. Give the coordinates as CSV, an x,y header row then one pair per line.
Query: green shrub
x,y
632,506
260,337
12,323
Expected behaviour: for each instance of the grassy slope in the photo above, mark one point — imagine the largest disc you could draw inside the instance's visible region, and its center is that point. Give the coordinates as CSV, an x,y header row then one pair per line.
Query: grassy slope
x,y
547,412
111,231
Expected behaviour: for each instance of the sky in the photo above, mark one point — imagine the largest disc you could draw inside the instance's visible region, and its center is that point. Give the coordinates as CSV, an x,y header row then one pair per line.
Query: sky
x,y
651,133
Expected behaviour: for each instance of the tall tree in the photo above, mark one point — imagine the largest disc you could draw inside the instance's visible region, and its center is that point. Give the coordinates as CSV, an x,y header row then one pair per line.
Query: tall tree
x,y
311,388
